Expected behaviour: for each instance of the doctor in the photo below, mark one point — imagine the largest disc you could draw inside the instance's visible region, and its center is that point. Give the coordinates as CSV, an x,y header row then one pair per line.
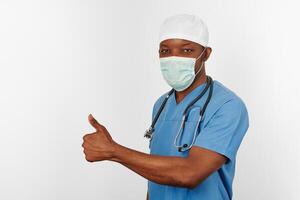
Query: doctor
x,y
204,166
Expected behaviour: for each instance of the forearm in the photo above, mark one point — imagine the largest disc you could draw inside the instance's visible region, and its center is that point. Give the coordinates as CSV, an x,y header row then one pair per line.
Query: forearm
x,y
168,170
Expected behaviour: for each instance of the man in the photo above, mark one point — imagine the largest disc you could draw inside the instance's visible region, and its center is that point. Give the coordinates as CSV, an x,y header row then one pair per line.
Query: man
x,y
205,168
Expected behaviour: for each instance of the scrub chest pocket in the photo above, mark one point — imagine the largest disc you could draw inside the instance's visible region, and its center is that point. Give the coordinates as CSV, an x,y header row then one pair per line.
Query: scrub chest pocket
x,y
190,130
165,132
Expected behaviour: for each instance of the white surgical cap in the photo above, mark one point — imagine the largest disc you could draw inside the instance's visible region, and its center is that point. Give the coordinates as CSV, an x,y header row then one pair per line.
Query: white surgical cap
x,y
184,26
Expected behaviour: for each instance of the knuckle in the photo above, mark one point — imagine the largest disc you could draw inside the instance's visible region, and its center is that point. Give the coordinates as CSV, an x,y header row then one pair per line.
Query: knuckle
x,y
83,137
86,136
88,158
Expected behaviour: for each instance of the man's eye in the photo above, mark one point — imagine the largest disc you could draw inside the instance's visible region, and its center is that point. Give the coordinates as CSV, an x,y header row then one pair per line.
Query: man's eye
x,y
187,50
163,51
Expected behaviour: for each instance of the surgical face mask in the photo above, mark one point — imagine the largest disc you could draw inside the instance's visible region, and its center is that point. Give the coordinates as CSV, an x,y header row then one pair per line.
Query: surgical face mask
x,y
179,72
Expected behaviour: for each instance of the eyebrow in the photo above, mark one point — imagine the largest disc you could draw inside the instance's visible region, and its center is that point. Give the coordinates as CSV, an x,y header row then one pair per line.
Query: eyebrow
x,y
186,44
164,45
181,45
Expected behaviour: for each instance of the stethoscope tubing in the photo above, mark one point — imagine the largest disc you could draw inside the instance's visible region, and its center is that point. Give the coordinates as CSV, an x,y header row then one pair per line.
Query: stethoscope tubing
x,y
149,132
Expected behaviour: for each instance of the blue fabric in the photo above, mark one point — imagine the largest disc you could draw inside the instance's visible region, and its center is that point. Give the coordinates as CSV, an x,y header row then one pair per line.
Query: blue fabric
x,y
222,130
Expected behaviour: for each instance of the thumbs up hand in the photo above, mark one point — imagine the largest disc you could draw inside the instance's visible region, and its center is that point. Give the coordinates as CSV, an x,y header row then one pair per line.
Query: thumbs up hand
x,y
99,145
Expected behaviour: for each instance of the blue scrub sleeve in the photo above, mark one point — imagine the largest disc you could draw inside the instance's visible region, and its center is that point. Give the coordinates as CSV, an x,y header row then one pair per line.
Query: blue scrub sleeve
x,y
224,132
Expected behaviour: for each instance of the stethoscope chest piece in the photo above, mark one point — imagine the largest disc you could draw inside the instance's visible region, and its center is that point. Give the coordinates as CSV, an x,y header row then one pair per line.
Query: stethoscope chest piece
x,y
149,132
181,149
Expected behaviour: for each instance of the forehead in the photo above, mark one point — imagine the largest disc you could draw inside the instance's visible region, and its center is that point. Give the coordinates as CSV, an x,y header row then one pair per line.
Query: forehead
x,y
178,42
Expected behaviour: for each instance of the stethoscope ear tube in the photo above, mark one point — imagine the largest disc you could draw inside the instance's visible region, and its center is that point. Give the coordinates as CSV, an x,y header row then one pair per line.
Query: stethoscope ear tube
x,y
211,85
185,147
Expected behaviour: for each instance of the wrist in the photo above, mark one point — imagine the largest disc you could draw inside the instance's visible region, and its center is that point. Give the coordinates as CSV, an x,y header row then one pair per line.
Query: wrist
x,y
115,153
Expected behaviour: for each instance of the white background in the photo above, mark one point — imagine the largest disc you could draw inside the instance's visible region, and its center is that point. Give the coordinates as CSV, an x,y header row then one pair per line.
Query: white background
x,y
61,60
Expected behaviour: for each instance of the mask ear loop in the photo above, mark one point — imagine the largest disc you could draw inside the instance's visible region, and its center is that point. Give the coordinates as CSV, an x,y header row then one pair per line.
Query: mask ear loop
x,y
202,62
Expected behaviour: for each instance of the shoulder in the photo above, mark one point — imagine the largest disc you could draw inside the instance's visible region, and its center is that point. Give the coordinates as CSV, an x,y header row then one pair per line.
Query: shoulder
x,y
160,99
226,101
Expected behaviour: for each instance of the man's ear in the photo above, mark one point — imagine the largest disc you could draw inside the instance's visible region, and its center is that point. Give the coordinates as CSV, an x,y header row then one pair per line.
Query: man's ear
x,y
207,53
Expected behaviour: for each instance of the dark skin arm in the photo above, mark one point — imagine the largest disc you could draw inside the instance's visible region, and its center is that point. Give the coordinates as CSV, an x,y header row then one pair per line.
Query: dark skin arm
x,y
177,171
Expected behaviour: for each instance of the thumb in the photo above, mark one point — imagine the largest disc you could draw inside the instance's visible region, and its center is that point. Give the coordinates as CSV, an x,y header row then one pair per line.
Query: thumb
x,y
94,122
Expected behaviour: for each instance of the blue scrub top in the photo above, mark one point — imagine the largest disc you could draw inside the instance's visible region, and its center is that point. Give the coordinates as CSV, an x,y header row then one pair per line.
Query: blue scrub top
x,y
223,127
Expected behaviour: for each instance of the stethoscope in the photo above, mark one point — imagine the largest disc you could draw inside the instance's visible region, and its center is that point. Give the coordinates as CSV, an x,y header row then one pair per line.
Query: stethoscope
x,y
149,132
